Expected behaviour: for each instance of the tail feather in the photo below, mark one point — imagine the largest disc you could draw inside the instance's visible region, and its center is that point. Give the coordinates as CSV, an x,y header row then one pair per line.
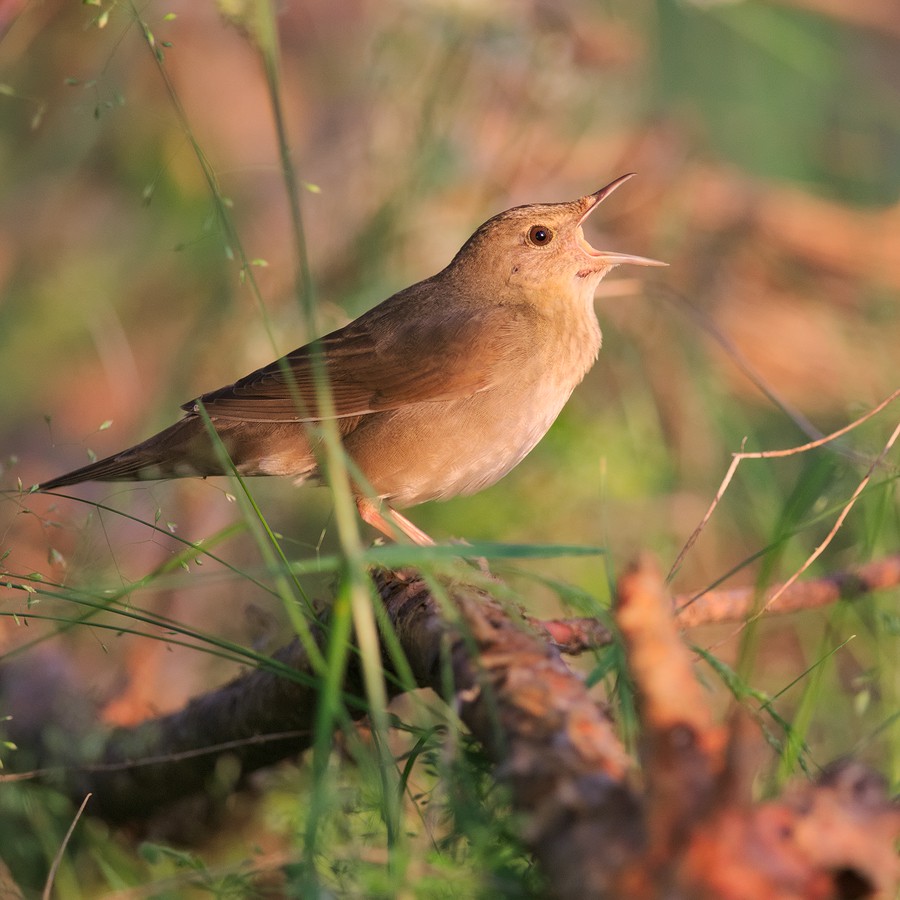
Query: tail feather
x,y
181,449
185,449
123,466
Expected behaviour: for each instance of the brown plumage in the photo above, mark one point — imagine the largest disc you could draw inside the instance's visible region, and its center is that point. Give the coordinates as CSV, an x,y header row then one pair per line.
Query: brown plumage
x,y
440,390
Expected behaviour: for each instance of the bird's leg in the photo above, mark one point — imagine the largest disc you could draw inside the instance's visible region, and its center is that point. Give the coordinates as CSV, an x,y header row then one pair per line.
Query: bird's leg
x,y
371,514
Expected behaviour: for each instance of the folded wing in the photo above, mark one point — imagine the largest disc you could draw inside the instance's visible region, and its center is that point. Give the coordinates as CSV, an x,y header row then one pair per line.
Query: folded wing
x,y
377,363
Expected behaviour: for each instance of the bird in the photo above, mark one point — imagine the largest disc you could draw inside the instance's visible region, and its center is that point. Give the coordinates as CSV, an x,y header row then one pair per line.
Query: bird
x,y
438,391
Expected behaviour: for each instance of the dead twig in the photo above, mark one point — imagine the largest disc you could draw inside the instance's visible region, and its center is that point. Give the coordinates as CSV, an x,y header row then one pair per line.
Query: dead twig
x,y
838,522
738,458
735,605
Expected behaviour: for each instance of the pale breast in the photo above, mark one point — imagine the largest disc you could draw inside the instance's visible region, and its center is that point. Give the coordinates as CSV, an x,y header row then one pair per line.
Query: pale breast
x,y
434,451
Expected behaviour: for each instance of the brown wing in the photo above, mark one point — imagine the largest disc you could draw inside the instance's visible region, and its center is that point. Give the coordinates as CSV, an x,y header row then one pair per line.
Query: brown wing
x,y
409,349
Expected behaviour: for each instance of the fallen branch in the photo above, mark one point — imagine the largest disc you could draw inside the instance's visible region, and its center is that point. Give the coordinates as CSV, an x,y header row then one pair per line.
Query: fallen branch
x,y
690,831
552,744
258,719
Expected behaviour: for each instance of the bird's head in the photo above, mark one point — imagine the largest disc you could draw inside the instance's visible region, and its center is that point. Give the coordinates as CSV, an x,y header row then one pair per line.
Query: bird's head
x,y
540,250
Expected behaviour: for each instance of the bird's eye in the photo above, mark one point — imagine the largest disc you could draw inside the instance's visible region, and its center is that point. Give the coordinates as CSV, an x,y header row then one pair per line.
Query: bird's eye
x,y
539,235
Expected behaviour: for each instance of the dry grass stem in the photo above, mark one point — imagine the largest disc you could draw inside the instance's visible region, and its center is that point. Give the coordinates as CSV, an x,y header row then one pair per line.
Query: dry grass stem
x,y
51,876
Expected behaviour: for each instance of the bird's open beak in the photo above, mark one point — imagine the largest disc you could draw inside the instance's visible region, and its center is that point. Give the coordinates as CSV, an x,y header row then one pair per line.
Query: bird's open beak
x,y
612,258
609,257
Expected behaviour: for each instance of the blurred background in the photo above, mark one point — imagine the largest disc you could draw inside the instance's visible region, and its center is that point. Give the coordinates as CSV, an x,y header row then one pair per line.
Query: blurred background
x,y
766,138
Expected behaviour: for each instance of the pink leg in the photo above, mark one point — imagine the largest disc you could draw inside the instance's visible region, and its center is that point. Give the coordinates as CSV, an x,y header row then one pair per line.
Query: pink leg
x,y
371,514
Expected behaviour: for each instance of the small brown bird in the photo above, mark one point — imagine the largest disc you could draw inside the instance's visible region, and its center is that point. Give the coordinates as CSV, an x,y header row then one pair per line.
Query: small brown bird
x,y
439,390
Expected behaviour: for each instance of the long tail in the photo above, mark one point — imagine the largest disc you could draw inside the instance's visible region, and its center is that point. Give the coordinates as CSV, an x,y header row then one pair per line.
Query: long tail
x,y
181,449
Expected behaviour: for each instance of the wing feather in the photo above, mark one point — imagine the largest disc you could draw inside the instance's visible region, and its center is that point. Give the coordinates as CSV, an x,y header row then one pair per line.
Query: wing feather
x,y
396,354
